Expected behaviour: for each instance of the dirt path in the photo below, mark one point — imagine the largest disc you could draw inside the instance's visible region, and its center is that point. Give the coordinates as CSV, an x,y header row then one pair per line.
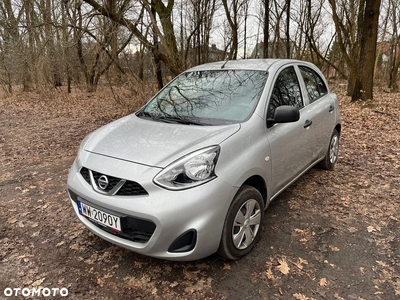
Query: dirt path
x,y
332,235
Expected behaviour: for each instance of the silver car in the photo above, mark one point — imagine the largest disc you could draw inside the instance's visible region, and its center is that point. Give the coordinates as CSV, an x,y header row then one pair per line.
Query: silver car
x,y
192,172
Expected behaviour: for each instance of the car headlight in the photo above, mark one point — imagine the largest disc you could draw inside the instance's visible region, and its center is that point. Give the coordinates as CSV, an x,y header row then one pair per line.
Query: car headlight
x,y
189,171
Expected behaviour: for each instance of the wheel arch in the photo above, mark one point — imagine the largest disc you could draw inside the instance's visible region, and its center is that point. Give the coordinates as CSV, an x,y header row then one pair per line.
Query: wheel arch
x,y
338,127
258,183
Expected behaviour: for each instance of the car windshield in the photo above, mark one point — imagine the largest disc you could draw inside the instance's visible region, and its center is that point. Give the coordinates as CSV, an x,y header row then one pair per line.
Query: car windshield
x,y
208,97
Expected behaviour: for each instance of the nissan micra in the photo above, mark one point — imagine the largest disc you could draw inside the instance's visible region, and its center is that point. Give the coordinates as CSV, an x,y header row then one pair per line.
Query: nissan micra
x,y
192,172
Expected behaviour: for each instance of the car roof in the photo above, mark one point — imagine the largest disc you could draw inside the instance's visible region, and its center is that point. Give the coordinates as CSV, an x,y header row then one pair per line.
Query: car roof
x,y
244,64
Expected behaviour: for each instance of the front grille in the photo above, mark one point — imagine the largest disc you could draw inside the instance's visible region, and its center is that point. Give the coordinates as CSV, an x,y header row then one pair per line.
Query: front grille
x,y
112,181
133,229
85,174
129,188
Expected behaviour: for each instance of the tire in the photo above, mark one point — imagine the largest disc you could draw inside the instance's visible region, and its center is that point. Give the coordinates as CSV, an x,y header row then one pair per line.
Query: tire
x,y
242,225
331,156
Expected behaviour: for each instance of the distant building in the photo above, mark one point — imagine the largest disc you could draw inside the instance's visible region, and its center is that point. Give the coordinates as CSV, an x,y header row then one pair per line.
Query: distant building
x,y
275,50
386,52
203,54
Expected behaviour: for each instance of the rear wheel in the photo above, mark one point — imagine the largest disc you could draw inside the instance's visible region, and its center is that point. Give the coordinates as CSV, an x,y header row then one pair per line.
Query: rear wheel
x,y
242,225
331,156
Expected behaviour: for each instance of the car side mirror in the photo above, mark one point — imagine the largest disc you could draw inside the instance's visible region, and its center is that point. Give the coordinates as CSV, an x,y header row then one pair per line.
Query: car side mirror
x,y
284,114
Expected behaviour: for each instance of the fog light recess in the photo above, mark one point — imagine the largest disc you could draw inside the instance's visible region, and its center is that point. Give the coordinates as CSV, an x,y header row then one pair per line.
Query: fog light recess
x,y
184,243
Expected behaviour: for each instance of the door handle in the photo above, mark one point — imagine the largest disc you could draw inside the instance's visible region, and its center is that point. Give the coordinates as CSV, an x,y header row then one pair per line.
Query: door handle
x,y
307,123
331,108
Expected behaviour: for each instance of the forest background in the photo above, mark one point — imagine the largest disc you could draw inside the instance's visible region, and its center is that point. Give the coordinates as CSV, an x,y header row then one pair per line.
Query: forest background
x,y
137,44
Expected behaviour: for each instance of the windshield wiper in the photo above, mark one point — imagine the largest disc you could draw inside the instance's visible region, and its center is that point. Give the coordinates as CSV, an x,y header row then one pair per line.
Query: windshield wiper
x,y
180,120
170,119
146,114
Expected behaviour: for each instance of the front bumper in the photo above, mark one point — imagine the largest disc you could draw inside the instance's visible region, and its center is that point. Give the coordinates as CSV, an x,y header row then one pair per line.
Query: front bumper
x,y
199,212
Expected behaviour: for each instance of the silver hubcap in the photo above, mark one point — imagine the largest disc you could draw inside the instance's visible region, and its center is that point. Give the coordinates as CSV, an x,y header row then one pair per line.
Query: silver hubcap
x,y
334,149
246,224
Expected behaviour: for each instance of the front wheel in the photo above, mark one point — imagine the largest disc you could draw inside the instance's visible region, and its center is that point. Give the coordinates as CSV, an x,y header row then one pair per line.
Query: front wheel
x,y
242,225
331,156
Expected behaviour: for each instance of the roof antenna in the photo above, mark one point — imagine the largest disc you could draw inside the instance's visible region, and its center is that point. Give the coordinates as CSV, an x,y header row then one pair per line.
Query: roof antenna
x,y
223,66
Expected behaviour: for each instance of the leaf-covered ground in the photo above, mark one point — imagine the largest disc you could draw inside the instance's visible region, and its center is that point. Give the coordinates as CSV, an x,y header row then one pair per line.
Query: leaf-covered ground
x,y
331,235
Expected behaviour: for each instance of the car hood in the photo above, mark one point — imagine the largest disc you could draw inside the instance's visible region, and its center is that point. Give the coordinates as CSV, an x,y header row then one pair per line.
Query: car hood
x,y
154,143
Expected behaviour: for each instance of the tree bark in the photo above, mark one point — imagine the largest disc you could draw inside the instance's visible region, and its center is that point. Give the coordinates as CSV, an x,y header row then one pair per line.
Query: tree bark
x,y
157,61
363,88
266,28
233,23
170,55
287,28
347,24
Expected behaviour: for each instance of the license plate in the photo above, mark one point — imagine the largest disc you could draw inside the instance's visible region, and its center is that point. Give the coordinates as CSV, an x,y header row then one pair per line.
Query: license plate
x,y
100,216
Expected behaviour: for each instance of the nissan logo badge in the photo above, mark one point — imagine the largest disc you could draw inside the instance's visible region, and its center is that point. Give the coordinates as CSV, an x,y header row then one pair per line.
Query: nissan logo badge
x,y
103,182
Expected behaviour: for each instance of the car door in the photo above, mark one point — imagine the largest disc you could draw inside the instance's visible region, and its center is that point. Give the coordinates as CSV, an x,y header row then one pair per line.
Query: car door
x,y
291,144
322,105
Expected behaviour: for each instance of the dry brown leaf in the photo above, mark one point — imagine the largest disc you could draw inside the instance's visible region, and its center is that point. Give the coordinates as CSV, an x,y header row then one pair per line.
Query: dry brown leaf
x,y
190,274
74,246
283,266
352,229
299,264
269,274
334,249
300,230
12,221
322,282
38,282
381,263
302,297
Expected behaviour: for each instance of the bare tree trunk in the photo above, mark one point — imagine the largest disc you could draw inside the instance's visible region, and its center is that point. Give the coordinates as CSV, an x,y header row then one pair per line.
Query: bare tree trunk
x,y
55,76
113,37
278,48
394,53
170,54
266,28
347,16
157,61
288,29
233,24
246,12
11,40
65,43
393,85
168,39
363,88
29,59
